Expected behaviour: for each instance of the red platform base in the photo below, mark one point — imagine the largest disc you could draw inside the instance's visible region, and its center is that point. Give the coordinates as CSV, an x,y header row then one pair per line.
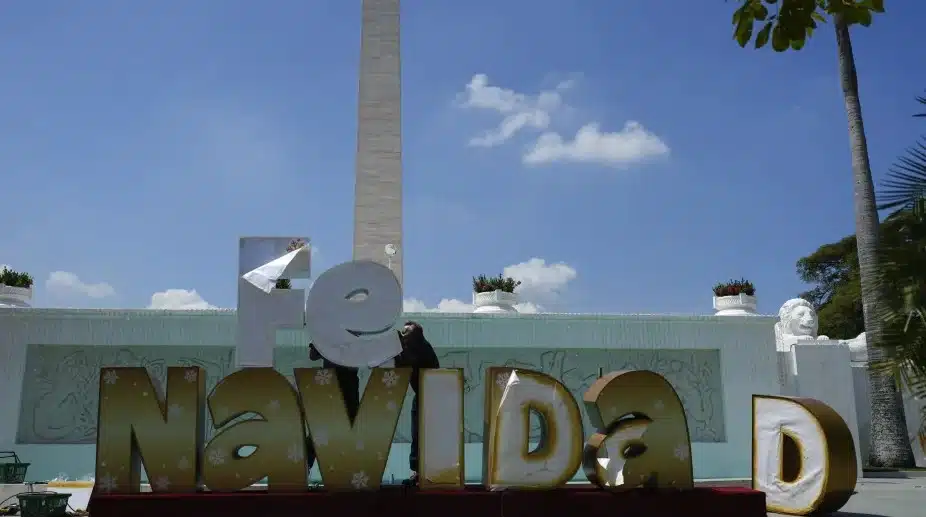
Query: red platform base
x,y
471,502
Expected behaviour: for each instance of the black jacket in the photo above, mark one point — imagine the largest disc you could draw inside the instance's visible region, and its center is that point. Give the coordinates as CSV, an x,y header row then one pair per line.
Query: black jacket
x,y
416,355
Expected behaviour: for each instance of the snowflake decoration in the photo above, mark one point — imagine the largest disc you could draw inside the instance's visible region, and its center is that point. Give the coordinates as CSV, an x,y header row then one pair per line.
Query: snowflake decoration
x,y
216,457
390,379
161,483
190,375
183,463
320,438
273,405
359,445
107,483
174,410
294,453
359,480
110,377
391,405
681,452
323,377
658,405
501,380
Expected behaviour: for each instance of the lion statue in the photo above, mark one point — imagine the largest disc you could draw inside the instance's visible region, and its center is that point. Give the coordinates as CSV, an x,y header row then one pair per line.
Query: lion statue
x,y
797,321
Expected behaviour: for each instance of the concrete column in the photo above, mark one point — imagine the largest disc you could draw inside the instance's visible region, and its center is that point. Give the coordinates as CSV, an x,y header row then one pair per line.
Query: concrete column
x,y
378,188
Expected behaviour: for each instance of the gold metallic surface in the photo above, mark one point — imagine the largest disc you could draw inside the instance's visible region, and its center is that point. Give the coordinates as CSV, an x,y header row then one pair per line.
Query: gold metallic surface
x,y
137,423
638,417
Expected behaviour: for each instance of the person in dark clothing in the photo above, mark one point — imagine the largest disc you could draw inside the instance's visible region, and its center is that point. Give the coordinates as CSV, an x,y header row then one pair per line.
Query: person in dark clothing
x,y
349,382
417,353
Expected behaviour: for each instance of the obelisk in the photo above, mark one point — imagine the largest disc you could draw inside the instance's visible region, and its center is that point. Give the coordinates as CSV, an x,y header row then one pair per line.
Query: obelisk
x,y
378,188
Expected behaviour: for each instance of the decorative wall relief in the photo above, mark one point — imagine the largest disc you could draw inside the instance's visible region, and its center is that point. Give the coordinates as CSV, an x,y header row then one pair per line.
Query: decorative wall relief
x,y
695,375
59,400
61,384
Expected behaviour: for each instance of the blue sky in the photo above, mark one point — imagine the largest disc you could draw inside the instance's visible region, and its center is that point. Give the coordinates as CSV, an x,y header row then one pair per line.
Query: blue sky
x,y
139,140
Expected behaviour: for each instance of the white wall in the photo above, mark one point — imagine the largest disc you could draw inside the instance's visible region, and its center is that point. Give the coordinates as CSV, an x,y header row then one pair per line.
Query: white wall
x,y
745,348
749,363
822,370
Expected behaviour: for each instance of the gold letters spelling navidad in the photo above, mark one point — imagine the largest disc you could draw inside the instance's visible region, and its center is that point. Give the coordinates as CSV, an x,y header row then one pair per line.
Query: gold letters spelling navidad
x,y
640,436
641,433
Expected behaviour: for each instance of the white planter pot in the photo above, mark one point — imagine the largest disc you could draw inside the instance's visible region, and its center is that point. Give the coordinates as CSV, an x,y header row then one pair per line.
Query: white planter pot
x,y
739,305
494,302
15,296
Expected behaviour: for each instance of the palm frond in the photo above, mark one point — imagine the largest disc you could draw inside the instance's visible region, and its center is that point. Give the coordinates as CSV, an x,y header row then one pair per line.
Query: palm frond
x,y
902,277
902,274
921,100
906,179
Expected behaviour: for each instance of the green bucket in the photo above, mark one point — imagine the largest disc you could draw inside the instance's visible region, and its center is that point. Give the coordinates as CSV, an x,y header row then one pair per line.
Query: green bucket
x,y
43,504
12,473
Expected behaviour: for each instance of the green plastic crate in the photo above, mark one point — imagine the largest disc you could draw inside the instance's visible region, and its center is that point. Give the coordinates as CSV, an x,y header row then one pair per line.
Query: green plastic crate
x,y
12,473
43,504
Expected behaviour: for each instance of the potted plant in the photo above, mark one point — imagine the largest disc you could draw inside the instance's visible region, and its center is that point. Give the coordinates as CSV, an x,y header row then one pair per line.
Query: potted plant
x,y
494,294
735,298
295,244
15,288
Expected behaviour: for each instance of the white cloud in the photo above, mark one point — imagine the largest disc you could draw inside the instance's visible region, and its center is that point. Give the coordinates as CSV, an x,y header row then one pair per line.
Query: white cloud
x,y
65,283
633,144
540,283
179,300
528,308
522,112
519,111
453,305
445,305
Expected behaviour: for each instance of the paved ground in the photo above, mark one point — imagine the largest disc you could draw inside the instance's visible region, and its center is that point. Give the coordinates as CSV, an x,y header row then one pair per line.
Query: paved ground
x,y
875,497
887,498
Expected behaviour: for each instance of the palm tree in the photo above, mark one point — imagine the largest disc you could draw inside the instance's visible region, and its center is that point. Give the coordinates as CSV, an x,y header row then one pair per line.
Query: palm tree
x,y
903,261
890,444
790,27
